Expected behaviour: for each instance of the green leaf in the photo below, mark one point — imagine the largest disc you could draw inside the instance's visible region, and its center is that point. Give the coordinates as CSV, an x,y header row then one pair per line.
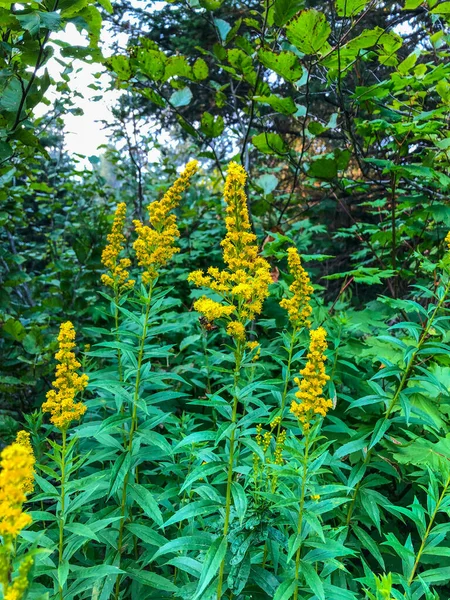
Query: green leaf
x,y
223,28
193,509
106,4
239,500
82,530
181,97
323,168
349,8
200,69
309,31
50,20
121,67
11,96
31,22
442,9
213,559
267,182
152,580
283,10
286,64
285,106
270,143
97,571
312,579
210,126
436,576
146,501
285,590
211,4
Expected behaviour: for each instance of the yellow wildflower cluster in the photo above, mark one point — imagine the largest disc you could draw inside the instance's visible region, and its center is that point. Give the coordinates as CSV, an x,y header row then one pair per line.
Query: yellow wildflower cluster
x,y
117,276
68,383
23,439
447,240
243,284
298,307
16,471
264,472
16,590
254,346
313,380
154,246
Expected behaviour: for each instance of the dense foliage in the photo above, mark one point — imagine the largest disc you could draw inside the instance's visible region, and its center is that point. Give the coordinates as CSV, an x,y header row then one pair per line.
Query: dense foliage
x,y
226,373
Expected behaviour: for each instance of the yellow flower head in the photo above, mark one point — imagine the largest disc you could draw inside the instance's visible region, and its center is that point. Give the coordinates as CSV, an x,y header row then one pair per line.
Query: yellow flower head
x,y
447,240
155,245
244,283
254,346
117,276
16,471
23,439
310,387
17,589
297,306
61,402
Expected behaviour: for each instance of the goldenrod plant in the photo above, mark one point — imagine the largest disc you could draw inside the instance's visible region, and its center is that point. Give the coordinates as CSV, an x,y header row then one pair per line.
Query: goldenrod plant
x,y
212,451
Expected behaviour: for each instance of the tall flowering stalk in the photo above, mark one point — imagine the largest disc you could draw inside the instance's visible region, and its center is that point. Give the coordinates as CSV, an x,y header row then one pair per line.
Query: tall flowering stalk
x,y
240,289
61,404
117,275
16,480
311,405
154,247
299,310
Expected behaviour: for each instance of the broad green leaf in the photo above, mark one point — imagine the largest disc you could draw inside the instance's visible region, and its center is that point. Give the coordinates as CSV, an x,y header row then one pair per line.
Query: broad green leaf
x,y
285,106
283,10
211,126
181,97
270,143
285,590
149,579
286,64
223,28
309,31
350,8
312,579
200,69
267,182
193,509
213,559
146,501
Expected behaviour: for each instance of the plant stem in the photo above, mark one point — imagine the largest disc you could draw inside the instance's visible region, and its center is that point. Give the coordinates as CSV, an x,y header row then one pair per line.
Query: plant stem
x,y
133,428
237,372
287,377
63,497
300,513
401,385
427,532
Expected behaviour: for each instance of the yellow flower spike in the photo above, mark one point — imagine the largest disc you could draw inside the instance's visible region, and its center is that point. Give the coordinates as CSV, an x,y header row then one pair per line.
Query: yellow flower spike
x,y
16,471
212,310
155,244
298,307
447,240
311,402
17,590
236,330
61,402
117,276
244,284
23,439
254,346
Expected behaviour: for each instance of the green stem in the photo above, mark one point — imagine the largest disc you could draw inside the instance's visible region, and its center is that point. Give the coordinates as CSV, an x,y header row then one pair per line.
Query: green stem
x,y
133,428
401,385
62,510
116,325
301,510
427,532
237,371
287,378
